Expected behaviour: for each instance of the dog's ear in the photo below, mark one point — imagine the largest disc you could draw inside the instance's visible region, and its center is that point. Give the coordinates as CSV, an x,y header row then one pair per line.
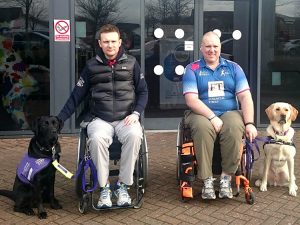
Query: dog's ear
x,y
269,112
294,113
35,125
60,123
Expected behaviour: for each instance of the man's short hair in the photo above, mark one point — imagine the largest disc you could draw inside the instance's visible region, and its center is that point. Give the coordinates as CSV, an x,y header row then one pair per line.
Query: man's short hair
x,y
108,28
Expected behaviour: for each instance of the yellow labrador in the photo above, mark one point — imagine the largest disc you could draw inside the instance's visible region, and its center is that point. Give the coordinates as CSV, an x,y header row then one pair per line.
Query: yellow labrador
x,y
278,168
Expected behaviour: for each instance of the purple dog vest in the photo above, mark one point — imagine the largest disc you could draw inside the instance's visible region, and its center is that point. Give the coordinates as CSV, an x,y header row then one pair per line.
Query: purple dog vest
x,y
29,167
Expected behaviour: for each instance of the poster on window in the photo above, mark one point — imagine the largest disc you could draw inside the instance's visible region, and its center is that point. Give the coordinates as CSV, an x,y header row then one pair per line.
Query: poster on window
x,y
173,58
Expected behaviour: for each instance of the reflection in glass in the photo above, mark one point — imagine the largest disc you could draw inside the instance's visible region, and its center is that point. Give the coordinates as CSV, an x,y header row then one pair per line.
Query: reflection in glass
x,y
90,15
280,54
24,62
175,20
219,17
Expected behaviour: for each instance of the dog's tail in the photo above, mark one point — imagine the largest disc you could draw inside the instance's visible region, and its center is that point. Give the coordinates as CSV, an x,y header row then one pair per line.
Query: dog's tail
x,y
8,194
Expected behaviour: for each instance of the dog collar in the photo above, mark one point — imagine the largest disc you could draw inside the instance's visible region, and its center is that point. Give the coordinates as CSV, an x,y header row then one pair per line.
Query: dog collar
x,y
280,133
45,149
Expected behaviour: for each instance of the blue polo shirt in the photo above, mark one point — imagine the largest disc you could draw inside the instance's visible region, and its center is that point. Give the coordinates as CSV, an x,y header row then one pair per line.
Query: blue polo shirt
x,y
216,88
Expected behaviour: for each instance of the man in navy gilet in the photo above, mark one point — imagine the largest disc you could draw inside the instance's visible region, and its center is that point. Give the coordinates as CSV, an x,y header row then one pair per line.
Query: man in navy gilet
x,y
118,94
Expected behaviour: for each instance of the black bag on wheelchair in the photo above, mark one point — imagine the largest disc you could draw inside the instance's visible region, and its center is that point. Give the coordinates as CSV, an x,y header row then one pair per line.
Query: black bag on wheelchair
x,y
187,163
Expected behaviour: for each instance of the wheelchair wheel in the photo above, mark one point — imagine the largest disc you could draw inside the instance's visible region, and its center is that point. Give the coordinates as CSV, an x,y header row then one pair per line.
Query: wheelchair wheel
x,y
248,175
80,154
141,166
177,172
250,196
84,203
81,145
145,161
245,172
179,143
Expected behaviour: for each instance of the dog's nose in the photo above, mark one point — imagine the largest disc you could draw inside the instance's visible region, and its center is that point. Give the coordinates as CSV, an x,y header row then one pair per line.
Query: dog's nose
x,y
282,116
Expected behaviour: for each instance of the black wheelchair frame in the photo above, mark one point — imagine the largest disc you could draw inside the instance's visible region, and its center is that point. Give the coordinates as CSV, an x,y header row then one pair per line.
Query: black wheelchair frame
x,y
186,170
87,199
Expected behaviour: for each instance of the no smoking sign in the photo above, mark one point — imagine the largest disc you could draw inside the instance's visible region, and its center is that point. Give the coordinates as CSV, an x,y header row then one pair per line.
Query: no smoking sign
x,y
61,30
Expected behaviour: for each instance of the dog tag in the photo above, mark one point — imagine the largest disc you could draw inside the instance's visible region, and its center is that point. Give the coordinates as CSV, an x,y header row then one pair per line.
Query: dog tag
x,y
62,169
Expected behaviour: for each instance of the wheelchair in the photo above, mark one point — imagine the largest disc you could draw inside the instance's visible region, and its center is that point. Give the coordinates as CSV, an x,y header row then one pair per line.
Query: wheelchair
x,y
85,187
187,165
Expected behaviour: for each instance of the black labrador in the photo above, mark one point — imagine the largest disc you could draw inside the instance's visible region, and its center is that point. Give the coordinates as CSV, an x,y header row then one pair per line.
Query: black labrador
x,y
35,178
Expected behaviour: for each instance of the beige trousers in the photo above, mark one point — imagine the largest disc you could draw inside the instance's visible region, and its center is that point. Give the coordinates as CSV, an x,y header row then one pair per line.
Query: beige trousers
x,y
204,136
100,136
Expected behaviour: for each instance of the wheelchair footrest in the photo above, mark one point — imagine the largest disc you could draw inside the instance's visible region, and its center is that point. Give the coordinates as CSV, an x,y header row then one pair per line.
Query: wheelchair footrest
x,y
186,190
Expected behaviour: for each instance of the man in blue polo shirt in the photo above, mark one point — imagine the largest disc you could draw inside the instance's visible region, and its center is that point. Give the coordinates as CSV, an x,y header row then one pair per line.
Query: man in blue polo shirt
x,y
213,87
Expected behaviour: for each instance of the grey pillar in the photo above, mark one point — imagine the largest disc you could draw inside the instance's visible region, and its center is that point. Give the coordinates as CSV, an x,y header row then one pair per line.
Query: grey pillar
x,y
62,59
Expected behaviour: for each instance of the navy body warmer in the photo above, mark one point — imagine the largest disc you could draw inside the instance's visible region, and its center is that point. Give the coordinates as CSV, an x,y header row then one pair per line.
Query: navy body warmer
x,y
112,94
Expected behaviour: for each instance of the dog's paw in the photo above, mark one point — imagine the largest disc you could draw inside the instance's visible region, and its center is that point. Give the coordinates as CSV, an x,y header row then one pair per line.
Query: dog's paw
x,y
293,190
28,212
42,215
55,204
257,183
263,187
293,193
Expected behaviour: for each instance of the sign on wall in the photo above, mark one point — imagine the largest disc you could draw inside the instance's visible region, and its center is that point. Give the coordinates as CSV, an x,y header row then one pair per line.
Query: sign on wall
x,y
61,30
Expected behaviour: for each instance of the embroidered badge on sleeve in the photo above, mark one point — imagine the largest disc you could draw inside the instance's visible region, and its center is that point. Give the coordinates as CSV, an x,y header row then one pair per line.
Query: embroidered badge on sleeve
x,y
80,82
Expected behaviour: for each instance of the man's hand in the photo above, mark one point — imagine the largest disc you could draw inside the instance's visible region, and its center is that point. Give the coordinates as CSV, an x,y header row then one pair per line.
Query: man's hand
x,y
251,132
217,124
132,118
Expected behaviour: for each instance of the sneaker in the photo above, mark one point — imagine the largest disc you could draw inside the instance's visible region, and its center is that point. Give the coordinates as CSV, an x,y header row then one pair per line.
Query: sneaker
x,y
208,191
225,187
105,197
122,195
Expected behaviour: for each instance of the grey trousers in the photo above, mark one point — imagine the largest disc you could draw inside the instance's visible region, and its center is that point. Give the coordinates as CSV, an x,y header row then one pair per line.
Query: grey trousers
x,y
204,136
100,136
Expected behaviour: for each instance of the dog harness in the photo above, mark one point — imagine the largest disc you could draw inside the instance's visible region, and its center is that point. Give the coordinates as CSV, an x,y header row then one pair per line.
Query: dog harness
x,y
30,166
271,140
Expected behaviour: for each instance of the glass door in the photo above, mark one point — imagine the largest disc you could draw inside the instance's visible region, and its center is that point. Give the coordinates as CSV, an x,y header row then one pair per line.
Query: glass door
x,y
279,71
24,64
125,14
173,29
169,47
